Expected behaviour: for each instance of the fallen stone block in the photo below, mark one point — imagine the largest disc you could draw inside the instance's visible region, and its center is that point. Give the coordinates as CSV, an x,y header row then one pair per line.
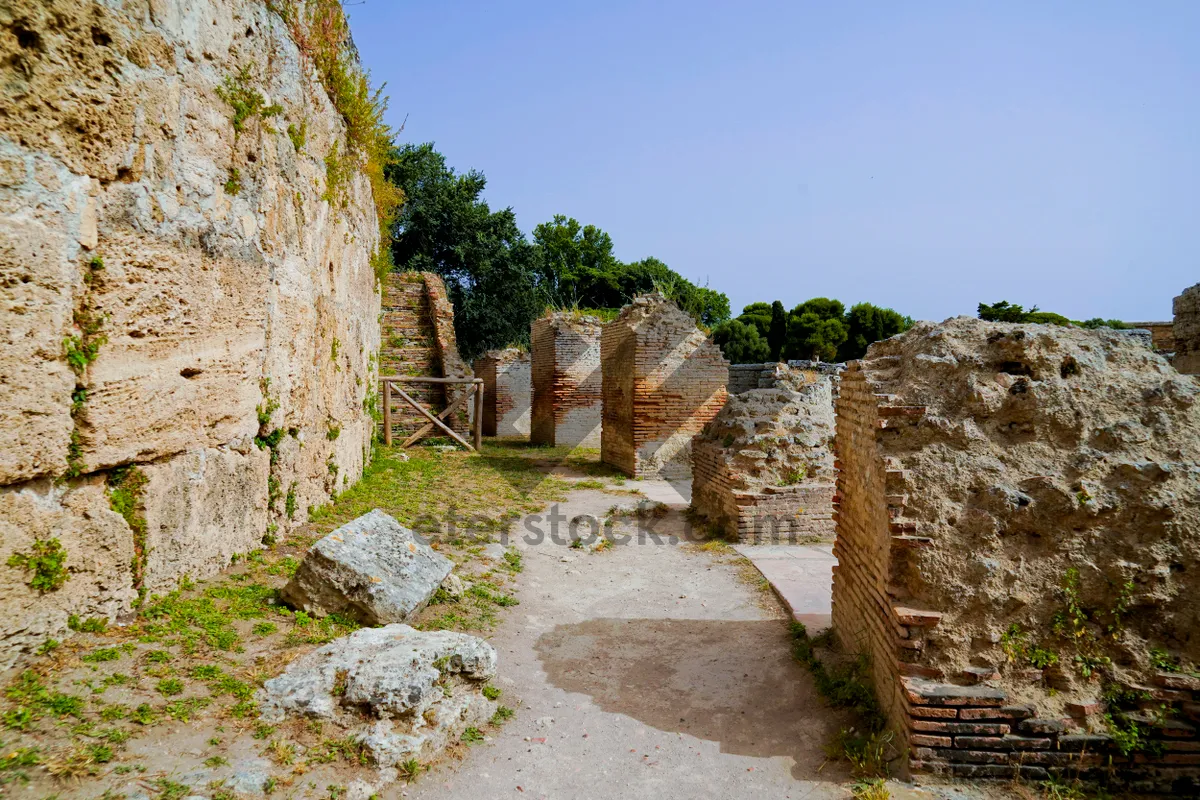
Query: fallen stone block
x,y
403,693
372,569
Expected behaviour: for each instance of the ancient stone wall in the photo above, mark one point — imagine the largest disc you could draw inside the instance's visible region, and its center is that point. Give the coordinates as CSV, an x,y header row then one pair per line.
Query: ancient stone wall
x,y
187,327
664,380
1017,546
418,341
506,391
1162,334
1186,331
762,470
565,378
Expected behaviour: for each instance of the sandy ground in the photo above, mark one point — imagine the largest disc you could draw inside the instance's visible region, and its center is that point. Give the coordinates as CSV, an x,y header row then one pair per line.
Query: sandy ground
x,y
647,670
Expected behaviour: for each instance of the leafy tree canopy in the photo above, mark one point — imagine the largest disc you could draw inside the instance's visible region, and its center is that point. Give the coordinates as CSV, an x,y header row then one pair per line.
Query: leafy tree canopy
x,y
1005,311
816,328
741,343
445,227
867,323
777,332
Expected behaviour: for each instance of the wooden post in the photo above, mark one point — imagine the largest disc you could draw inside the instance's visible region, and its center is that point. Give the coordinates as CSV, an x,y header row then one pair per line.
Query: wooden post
x,y
387,412
478,414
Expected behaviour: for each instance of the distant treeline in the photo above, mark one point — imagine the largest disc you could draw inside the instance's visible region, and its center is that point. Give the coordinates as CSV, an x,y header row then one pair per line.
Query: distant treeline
x,y
817,329
1005,311
500,281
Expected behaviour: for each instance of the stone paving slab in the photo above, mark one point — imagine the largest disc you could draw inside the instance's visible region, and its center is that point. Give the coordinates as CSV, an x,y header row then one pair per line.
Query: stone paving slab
x,y
802,576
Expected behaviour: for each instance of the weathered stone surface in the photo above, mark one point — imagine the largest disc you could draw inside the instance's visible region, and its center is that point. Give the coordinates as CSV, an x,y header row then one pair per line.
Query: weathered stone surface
x,y
1186,330
372,569
210,300
201,508
762,470
99,551
1034,463
395,673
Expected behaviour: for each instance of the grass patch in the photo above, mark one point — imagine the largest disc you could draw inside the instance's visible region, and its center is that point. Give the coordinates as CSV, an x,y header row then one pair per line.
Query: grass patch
x,y
47,560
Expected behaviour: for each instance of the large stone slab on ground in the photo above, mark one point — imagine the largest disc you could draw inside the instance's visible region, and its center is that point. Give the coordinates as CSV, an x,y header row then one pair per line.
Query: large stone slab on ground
x,y
372,569
422,689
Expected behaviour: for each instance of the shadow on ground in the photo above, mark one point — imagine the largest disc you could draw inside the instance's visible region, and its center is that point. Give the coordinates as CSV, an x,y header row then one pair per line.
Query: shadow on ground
x,y
730,682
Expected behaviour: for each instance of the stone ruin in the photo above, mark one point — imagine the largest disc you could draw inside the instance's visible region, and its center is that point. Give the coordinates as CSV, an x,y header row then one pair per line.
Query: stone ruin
x,y
1186,331
506,391
664,380
184,370
1018,544
566,380
762,470
418,341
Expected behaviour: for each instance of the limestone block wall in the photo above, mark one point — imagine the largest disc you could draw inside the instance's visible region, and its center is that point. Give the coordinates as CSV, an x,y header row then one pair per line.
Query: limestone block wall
x,y
506,391
762,470
1017,551
664,380
183,317
1186,330
418,341
566,380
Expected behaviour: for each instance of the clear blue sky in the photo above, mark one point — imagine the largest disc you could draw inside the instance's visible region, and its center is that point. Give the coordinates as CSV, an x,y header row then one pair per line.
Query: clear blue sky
x,y
924,155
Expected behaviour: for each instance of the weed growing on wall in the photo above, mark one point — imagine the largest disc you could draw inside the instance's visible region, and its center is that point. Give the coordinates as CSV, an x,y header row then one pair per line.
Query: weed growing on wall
x,y
322,33
239,91
126,489
47,560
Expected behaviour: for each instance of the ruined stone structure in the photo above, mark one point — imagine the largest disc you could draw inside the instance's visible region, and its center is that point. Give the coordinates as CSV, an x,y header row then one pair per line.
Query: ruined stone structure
x,y
418,341
664,380
506,391
762,470
565,376
1018,550
186,326
1186,331
1162,334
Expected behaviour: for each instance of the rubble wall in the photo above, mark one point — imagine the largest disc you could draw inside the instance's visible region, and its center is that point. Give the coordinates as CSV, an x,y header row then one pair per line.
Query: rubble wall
x,y
1162,334
180,308
506,391
1186,330
762,470
1017,549
664,380
566,380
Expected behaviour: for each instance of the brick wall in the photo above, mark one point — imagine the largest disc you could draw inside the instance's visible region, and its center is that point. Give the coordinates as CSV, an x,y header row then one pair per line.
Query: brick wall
x,y
506,391
762,470
664,380
418,340
565,379
1162,334
1186,330
899,464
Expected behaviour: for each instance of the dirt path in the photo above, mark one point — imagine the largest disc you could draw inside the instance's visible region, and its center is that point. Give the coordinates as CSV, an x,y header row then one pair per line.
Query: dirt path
x,y
651,670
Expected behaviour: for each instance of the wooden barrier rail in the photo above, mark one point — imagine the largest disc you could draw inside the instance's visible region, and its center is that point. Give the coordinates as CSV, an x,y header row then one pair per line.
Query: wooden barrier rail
x,y
432,422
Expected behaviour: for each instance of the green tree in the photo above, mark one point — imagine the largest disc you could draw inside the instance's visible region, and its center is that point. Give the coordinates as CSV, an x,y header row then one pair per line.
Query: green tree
x,y
741,343
816,328
490,269
577,268
1004,311
867,323
777,333
758,315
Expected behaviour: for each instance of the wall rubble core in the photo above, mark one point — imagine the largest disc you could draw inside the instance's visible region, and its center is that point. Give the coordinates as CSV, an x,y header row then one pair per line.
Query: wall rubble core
x,y
223,315
506,391
664,380
1017,516
565,380
762,470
